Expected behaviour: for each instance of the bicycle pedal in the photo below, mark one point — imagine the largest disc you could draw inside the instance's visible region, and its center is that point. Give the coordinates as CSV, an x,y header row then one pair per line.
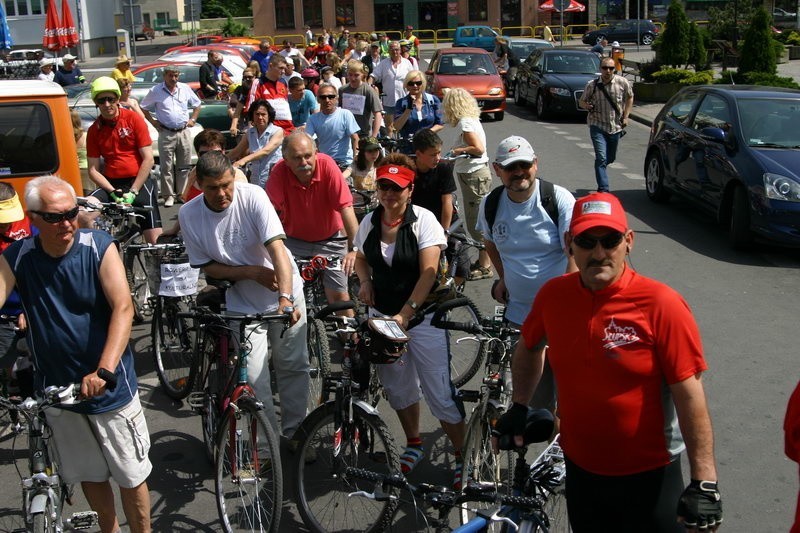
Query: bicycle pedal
x,y
196,399
83,520
469,395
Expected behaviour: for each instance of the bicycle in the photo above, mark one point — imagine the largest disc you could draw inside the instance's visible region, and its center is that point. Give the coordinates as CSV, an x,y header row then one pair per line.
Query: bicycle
x,y
238,437
364,202
44,492
345,431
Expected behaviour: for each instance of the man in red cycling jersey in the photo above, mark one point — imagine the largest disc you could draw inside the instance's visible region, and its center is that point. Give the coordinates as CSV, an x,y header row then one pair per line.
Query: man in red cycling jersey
x,y
627,359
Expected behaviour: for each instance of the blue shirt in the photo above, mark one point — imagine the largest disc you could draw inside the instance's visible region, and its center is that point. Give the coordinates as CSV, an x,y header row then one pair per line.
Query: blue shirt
x,y
171,108
430,115
262,58
69,316
301,109
259,168
334,134
71,77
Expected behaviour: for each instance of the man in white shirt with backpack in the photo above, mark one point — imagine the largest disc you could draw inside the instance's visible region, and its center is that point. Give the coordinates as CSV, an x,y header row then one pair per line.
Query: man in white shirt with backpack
x,y
523,222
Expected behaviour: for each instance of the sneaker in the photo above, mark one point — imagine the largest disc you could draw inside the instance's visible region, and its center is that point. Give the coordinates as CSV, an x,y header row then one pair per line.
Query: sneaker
x,y
169,202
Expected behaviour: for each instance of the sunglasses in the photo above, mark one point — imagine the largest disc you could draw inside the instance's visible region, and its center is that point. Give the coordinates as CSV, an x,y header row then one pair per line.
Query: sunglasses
x,y
55,218
106,100
608,68
522,165
609,242
415,84
327,96
386,185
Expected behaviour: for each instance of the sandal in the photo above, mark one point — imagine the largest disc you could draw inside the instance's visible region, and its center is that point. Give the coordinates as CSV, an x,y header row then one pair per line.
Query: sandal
x,y
457,475
410,458
480,272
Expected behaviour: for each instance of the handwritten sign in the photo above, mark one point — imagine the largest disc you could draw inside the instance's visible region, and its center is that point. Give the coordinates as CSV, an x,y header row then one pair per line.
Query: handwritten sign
x,y
178,279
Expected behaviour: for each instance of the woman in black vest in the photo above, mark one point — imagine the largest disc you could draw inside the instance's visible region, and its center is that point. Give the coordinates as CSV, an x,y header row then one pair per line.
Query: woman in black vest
x,y
398,249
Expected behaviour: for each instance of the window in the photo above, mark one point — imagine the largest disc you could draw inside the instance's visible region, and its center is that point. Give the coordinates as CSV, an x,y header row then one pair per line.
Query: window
x,y
27,141
478,10
312,13
713,113
345,13
284,14
21,8
162,19
680,110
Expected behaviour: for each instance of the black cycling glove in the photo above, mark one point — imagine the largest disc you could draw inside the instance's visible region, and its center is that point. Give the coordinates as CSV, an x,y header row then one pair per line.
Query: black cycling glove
x,y
512,422
700,505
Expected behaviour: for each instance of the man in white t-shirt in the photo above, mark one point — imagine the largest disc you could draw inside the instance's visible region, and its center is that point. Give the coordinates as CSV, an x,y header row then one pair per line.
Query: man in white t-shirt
x,y
391,73
232,232
525,244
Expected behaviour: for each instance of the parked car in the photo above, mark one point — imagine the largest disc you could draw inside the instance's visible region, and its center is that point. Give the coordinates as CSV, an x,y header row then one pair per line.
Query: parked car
x,y
733,150
233,64
472,69
521,48
554,79
475,37
624,31
202,51
154,73
780,15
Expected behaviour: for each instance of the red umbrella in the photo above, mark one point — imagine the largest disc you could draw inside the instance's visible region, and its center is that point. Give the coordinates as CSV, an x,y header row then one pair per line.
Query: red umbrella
x,y
51,40
574,7
69,36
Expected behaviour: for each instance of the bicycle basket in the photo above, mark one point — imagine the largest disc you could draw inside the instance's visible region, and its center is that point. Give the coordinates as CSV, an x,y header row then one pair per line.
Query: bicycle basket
x,y
382,341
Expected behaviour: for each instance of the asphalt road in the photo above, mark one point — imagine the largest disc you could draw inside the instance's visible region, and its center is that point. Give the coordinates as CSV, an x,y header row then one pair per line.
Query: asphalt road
x,y
745,304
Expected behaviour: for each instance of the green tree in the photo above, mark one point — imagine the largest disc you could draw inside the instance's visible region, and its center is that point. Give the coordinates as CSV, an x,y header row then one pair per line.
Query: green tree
x,y
674,47
698,57
227,8
758,52
721,20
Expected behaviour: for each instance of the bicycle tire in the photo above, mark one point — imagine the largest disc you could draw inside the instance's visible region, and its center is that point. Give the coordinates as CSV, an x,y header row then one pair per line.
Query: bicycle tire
x,y
208,380
173,347
251,498
136,274
466,352
555,506
481,465
322,489
319,358
41,522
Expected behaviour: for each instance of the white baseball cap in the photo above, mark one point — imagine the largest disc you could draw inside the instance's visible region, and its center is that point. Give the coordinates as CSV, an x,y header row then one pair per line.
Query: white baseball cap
x,y
513,149
69,57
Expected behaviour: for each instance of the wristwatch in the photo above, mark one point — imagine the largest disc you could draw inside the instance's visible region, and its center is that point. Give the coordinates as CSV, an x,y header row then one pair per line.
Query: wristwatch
x,y
412,305
288,309
354,248
289,297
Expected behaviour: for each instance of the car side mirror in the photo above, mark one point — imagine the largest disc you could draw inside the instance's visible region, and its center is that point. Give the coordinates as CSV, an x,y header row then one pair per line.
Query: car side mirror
x,y
714,134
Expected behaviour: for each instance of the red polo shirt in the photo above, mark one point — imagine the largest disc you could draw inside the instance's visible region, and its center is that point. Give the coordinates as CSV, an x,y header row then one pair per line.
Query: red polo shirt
x,y
310,212
118,143
277,94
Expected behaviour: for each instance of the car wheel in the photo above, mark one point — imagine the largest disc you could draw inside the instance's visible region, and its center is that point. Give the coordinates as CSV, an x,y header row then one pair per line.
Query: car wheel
x,y
647,38
499,116
541,107
599,38
518,98
740,235
654,178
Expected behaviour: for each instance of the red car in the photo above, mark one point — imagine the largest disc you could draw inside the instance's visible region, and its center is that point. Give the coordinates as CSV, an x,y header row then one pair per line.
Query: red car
x,y
190,73
472,69
224,49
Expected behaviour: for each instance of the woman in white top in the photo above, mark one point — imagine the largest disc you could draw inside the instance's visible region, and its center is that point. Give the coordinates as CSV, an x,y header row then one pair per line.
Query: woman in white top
x,y
261,147
461,111
46,68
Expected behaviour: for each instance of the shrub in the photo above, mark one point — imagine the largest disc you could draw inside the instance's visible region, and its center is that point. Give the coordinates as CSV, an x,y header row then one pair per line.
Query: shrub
x,y
792,39
703,77
698,56
674,47
671,75
757,78
646,70
758,52
231,28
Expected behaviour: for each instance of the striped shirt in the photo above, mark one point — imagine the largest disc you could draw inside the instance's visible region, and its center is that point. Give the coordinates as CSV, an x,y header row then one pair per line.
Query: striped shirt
x,y
604,115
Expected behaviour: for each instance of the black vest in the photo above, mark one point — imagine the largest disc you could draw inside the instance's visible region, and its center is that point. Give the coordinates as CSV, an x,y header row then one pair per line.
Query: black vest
x,y
393,284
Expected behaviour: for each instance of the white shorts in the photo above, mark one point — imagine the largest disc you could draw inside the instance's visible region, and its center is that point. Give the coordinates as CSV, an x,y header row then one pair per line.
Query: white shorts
x,y
98,447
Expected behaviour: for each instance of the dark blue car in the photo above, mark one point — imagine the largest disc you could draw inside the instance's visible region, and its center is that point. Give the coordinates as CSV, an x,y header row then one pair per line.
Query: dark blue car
x,y
735,151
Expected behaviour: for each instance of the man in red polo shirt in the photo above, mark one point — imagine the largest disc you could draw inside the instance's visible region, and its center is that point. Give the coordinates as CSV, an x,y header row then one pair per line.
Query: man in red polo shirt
x,y
627,359
316,208
273,89
121,138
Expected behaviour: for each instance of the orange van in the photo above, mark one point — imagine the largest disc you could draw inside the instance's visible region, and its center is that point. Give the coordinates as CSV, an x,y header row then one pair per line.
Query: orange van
x,y
36,136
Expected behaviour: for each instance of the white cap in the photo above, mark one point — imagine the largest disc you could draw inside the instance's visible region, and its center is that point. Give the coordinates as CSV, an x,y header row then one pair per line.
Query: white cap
x,y
615,43
46,61
513,149
69,57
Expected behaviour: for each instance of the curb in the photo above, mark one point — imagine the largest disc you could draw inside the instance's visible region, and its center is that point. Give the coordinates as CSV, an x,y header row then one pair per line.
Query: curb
x,y
640,118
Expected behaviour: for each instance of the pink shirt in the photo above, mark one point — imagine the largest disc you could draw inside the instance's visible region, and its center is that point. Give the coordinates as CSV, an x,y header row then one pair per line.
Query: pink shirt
x,y
310,212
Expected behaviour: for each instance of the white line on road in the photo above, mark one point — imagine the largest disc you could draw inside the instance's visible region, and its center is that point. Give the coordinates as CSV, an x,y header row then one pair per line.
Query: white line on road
x,y
631,176
573,138
585,146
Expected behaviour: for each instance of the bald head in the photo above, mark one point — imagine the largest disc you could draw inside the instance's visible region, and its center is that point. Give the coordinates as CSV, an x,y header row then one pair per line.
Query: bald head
x,y
300,154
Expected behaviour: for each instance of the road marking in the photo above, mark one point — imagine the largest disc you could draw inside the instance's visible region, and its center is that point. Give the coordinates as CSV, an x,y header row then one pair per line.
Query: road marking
x,y
560,132
618,166
585,146
631,176
573,138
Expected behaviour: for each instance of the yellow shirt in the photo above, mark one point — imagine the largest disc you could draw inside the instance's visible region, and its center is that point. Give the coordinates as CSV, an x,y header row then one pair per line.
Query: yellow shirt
x,y
117,74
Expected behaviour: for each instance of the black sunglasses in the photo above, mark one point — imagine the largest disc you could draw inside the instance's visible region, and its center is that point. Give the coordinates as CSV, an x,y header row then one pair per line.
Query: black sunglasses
x,y
106,100
415,84
386,185
327,96
524,165
609,242
55,218
608,68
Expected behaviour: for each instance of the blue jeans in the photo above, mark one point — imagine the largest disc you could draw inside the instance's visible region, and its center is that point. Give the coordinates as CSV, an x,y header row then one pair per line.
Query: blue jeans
x,y
605,153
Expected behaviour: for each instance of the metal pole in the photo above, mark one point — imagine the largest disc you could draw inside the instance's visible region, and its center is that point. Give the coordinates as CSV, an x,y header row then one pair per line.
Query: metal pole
x,y
78,13
133,32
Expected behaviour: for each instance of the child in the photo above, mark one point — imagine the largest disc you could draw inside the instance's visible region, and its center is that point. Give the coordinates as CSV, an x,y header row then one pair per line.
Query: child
x,y
362,171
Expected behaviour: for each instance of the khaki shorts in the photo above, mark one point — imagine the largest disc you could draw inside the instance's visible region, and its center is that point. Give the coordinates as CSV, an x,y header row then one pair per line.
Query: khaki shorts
x,y
98,447
474,186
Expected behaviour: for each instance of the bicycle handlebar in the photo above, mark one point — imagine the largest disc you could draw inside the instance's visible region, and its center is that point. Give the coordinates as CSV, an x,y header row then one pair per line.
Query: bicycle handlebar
x,y
438,320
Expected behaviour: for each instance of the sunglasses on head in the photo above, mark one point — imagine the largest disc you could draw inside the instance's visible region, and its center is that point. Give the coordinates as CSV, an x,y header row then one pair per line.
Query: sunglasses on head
x,y
415,84
386,185
610,67
55,218
327,96
609,242
522,165
106,100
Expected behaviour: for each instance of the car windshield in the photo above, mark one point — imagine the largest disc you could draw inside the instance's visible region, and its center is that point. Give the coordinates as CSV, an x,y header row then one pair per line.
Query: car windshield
x,y
463,64
189,74
571,64
770,122
523,50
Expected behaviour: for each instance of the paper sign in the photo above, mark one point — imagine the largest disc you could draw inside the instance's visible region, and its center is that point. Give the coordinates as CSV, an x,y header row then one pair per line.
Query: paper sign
x,y
354,103
178,279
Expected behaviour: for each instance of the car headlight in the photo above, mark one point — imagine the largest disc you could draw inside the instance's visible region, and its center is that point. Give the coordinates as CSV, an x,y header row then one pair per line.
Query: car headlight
x,y
494,91
780,187
558,91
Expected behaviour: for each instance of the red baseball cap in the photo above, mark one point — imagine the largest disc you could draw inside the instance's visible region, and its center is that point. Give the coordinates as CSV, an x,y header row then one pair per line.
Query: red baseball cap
x,y
600,209
400,176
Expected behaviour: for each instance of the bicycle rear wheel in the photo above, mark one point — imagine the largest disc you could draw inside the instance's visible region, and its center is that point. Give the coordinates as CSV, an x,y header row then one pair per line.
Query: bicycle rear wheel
x,y
547,479
249,479
481,465
466,351
136,272
173,342
323,488
319,357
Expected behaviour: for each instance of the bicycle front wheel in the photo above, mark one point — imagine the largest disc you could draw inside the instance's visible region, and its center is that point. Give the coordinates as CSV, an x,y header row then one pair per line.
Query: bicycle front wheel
x,y
43,522
249,479
136,272
173,340
547,479
319,357
466,351
322,485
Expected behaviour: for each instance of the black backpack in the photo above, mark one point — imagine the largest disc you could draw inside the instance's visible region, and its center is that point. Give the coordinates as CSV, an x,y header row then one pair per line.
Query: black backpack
x,y
547,196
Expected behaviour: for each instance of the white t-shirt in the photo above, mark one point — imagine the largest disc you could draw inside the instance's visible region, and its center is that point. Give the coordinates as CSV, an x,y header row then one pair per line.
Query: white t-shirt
x,y
530,246
393,79
427,229
466,166
237,236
